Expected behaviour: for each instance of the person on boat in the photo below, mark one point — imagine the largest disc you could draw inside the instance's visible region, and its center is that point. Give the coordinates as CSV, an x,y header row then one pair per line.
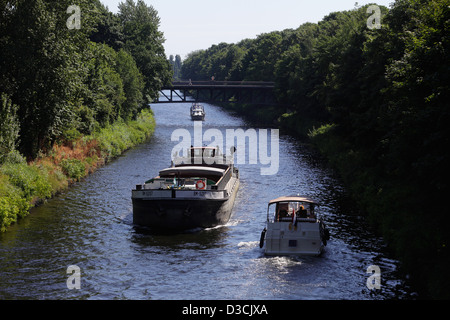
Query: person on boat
x,y
282,211
302,213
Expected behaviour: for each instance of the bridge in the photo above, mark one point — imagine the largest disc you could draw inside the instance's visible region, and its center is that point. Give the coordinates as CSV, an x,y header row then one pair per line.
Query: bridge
x,y
251,92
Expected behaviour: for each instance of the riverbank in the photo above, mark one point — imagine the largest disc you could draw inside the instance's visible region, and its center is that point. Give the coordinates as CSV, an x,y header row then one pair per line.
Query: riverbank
x,y
24,185
389,205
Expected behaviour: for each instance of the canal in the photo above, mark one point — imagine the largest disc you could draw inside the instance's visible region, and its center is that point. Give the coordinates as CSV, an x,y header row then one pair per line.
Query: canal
x,y
90,226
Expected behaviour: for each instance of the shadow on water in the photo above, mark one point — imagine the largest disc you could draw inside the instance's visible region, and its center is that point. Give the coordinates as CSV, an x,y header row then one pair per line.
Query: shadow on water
x,y
196,239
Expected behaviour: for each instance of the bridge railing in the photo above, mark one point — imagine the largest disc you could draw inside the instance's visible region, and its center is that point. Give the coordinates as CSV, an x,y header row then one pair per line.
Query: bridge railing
x,y
222,83
260,92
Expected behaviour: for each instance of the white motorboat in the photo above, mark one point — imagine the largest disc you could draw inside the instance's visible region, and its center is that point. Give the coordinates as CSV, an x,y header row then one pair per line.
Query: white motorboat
x,y
293,228
197,112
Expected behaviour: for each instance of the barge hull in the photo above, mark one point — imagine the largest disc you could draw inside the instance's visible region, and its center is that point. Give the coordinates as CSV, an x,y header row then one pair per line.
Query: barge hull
x,y
183,214
180,214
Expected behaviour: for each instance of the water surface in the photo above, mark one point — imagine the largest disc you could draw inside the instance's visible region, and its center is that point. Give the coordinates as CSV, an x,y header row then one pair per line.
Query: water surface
x,y
91,226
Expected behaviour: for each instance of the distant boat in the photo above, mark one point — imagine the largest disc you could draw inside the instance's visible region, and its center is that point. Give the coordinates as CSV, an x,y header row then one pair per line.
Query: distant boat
x,y
293,228
198,192
197,112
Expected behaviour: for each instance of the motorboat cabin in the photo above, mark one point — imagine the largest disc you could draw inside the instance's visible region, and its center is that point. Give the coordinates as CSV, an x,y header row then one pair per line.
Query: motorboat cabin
x,y
293,228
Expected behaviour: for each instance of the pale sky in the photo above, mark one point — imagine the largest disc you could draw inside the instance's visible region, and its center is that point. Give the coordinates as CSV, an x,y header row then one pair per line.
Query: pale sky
x,y
190,25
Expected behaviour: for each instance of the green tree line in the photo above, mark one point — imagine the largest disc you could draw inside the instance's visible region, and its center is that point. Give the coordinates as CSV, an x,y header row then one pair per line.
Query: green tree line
x,y
375,101
75,84
56,79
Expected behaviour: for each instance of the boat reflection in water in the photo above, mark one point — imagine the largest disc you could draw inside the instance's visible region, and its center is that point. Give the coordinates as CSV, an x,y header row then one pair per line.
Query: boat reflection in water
x,y
293,228
199,190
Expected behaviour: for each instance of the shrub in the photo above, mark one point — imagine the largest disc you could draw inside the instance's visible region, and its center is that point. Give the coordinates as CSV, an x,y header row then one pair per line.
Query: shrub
x,y
12,207
32,180
14,157
73,168
21,184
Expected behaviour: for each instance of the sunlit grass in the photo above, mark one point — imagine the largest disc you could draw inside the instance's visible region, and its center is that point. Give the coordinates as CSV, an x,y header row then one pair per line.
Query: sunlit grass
x,y
23,185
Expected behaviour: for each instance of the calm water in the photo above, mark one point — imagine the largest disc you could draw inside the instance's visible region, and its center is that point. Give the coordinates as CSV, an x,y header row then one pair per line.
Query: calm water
x,y
90,226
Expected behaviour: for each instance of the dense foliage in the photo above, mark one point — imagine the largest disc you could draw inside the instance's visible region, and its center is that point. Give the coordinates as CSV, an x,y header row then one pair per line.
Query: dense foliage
x,y
376,102
56,78
23,184
75,83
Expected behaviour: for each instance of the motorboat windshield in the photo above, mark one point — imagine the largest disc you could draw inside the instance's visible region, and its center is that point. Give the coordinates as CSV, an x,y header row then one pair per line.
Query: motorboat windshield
x,y
285,209
197,107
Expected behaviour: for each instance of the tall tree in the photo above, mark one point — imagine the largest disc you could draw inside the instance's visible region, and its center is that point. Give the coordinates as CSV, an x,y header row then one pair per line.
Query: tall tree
x,y
145,43
261,58
418,116
133,85
9,126
108,29
38,66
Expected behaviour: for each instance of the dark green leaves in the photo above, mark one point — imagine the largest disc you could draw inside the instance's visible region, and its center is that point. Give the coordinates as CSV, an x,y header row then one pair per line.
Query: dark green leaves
x,y
64,79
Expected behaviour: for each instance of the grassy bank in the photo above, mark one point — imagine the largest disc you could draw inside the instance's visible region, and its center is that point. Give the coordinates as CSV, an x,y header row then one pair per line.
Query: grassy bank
x,y
24,185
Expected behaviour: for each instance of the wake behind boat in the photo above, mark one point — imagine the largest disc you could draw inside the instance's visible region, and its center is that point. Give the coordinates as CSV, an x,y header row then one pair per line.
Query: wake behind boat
x,y
197,191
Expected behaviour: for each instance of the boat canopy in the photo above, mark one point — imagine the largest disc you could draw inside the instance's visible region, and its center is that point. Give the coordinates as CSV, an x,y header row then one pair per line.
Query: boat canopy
x,y
197,107
292,199
192,171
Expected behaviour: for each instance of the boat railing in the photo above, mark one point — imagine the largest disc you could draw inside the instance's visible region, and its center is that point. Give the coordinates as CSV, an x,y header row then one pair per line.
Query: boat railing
x,y
179,183
216,161
289,219
222,183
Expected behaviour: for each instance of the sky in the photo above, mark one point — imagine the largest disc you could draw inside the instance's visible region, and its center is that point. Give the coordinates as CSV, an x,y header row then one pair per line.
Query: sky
x,y
190,25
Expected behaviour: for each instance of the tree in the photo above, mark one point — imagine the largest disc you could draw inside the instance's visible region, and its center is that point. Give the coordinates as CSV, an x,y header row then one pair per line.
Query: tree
x,y
38,67
9,126
133,85
176,66
109,29
296,74
194,67
105,86
418,116
145,43
260,60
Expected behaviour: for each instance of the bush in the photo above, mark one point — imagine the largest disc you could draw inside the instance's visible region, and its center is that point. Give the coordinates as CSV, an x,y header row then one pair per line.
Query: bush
x,y
12,207
22,184
73,168
71,134
32,180
121,136
14,157
12,204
